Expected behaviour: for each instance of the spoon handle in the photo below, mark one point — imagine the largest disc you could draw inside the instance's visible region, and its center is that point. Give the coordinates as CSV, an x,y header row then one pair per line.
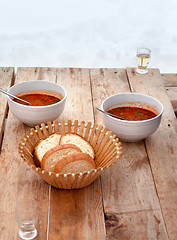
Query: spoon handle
x,y
110,114
10,95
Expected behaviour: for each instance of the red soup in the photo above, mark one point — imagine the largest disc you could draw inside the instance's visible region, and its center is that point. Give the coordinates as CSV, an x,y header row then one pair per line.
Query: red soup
x,y
37,99
132,113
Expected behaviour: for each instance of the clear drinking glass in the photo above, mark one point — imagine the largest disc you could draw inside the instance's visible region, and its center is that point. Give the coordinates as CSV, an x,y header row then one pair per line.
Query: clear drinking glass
x,y
143,58
27,215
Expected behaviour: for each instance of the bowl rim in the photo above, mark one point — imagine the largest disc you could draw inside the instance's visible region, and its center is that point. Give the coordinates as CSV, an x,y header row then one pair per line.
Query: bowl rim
x,y
129,121
36,107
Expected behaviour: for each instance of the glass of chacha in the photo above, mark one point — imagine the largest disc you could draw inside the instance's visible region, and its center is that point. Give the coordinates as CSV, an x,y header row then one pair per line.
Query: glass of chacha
x,y
143,58
26,212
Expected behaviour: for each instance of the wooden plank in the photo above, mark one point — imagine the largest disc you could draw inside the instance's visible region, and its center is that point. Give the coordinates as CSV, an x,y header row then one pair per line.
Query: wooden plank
x,y
77,214
79,100
16,178
36,73
135,225
161,146
6,79
172,94
131,206
170,79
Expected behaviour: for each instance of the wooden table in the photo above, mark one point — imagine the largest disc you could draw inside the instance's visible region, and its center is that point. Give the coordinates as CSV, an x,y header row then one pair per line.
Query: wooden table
x,y
136,198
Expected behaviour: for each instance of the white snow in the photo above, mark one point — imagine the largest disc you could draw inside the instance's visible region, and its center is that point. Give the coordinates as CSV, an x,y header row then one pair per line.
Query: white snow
x,y
90,33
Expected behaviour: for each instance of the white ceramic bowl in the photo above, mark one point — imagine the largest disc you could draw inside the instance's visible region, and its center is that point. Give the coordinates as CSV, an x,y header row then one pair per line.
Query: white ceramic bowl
x,y
34,115
132,131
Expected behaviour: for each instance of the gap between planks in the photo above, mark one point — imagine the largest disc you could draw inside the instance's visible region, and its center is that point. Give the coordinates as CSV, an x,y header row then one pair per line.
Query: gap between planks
x,y
149,159
147,156
155,188
146,152
48,217
92,99
6,112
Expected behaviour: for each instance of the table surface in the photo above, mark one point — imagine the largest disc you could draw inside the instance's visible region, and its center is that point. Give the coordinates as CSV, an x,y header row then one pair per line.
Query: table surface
x,y
136,198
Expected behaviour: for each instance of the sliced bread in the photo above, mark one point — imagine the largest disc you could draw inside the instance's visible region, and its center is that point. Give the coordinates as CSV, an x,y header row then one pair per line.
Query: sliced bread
x,y
44,145
52,156
78,141
78,162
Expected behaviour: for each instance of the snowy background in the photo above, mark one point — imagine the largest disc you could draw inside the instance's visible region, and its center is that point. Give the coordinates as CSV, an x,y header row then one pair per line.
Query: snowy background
x,y
90,33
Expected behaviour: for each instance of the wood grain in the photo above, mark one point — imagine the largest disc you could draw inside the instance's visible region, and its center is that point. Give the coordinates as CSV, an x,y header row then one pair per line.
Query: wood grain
x,y
79,99
6,80
134,199
170,79
77,214
172,94
161,146
131,205
16,178
135,225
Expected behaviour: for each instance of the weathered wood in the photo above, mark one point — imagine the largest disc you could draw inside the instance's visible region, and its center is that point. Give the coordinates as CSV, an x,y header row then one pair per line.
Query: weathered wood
x,y
161,146
170,79
36,73
135,225
131,206
77,214
6,80
16,178
79,99
172,94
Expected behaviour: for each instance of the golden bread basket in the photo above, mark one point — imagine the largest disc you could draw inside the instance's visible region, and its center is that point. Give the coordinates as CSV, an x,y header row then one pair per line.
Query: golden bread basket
x,y
105,144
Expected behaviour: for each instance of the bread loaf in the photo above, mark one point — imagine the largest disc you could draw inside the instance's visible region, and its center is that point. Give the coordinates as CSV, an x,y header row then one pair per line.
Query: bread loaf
x,y
54,155
67,153
44,145
78,162
78,141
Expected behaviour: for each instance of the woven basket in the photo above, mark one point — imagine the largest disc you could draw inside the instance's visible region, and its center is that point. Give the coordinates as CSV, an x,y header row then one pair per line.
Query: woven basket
x,y
106,146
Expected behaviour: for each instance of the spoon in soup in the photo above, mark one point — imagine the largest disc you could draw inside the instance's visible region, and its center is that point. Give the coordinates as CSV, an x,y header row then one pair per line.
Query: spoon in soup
x,y
110,114
10,95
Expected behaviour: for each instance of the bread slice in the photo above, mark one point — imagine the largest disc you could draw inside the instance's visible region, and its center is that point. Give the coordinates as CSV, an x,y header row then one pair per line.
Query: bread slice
x,y
78,141
54,155
78,162
44,145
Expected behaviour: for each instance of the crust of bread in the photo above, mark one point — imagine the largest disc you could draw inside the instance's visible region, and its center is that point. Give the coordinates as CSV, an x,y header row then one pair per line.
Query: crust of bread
x,y
78,162
89,150
59,149
36,158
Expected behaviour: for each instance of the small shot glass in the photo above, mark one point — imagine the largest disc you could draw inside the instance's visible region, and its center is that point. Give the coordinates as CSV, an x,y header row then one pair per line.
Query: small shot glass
x,y
143,58
26,212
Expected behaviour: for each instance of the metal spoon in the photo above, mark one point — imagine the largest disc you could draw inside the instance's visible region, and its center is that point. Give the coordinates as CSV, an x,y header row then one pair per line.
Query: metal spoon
x,y
112,115
10,95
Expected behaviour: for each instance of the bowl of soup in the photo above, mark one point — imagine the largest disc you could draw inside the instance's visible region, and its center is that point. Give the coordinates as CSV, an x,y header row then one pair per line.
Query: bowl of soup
x,y
136,115
47,101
